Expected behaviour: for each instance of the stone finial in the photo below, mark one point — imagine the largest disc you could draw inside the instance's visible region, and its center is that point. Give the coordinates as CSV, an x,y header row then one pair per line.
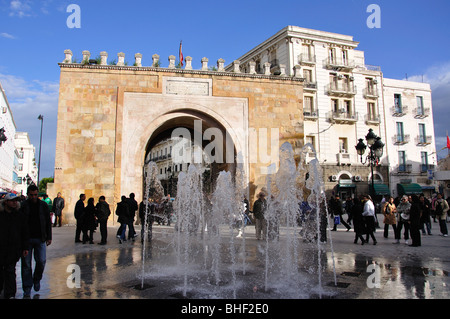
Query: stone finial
x,y
236,66
155,58
171,62
252,65
297,73
69,55
220,65
188,60
103,58
138,59
121,59
204,64
86,56
267,68
282,69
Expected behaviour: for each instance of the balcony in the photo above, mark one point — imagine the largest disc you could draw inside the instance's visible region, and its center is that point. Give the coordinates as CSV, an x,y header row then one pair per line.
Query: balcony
x,y
371,93
311,115
341,89
309,86
425,167
275,67
373,119
306,59
343,117
399,110
400,139
423,140
339,64
343,159
421,112
404,168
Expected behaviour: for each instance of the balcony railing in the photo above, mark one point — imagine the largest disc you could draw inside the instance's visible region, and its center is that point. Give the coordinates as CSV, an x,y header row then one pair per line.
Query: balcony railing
x,y
425,167
309,86
341,89
371,93
399,110
343,117
423,140
400,139
306,58
404,168
311,115
421,112
373,119
339,64
343,158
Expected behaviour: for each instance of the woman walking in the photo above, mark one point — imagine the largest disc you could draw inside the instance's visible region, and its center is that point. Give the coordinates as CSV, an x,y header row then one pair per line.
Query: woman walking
x,y
389,211
89,222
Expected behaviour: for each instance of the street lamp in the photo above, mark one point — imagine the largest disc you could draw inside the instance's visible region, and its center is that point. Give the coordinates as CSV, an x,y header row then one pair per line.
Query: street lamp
x,y
40,118
376,152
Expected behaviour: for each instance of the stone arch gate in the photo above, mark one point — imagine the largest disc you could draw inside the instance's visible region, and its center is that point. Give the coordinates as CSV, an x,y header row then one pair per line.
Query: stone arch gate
x,y
108,114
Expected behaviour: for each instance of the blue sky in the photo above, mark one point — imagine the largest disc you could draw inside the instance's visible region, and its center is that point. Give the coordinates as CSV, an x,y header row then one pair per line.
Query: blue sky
x,y
414,39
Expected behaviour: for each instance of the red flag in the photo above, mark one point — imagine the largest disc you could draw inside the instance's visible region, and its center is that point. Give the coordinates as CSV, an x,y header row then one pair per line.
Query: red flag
x,y
181,55
448,142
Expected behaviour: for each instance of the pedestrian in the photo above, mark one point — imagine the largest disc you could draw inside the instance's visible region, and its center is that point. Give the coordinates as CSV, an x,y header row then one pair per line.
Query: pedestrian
x,y
14,242
259,209
359,226
79,213
369,218
132,209
102,212
146,211
348,209
403,210
441,208
414,221
89,222
40,229
337,211
123,212
49,202
389,211
58,206
425,220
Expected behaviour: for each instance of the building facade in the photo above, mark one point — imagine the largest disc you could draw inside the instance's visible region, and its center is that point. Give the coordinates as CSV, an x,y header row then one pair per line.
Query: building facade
x,y
27,168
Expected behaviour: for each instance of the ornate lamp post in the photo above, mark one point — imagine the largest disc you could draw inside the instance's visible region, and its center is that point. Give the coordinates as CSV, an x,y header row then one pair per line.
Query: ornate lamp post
x,y
376,152
40,118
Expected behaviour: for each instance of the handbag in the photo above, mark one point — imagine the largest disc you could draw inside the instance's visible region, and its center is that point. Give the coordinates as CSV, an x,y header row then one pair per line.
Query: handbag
x,y
337,220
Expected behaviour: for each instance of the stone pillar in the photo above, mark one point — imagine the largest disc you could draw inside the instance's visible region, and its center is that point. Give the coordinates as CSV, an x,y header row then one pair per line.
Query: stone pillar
x,y
86,56
252,65
267,68
236,64
138,59
104,58
220,65
188,60
297,73
69,56
121,59
204,64
282,69
171,62
155,59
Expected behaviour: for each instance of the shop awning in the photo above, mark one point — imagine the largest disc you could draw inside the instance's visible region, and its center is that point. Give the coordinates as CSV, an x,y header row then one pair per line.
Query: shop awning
x,y
346,184
380,189
409,189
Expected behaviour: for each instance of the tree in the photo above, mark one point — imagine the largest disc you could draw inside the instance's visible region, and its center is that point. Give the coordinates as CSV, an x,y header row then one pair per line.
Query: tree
x,y
43,184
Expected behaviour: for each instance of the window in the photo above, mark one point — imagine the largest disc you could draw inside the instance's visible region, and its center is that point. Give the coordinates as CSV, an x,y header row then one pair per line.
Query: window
x,y
345,57
420,110
335,105
307,52
308,105
331,56
422,133
400,135
20,168
370,86
372,111
343,145
310,140
333,81
307,74
424,161
401,161
398,103
347,107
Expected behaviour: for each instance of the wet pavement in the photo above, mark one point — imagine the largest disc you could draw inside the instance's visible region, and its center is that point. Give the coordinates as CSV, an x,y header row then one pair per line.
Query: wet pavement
x,y
116,271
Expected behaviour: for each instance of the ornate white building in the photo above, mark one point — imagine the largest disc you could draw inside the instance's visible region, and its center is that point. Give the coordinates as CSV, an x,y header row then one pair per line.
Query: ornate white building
x,y
344,98
27,168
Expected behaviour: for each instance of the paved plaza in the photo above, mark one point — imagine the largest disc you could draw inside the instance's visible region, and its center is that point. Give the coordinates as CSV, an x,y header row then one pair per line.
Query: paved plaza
x,y
114,271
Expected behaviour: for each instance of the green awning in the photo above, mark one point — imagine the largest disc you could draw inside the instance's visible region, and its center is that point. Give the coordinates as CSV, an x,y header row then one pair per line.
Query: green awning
x,y
380,189
409,189
346,185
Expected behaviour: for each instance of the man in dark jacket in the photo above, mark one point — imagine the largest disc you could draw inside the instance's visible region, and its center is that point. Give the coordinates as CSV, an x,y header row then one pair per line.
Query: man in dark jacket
x,y
102,213
14,241
259,209
132,207
58,206
124,216
40,227
79,213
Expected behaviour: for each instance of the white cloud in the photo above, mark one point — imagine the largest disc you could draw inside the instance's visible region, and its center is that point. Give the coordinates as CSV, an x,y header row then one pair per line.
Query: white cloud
x,y
20,8
7,35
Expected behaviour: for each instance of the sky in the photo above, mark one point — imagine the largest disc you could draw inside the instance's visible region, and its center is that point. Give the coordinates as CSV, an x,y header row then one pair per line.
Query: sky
x,y
412,41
